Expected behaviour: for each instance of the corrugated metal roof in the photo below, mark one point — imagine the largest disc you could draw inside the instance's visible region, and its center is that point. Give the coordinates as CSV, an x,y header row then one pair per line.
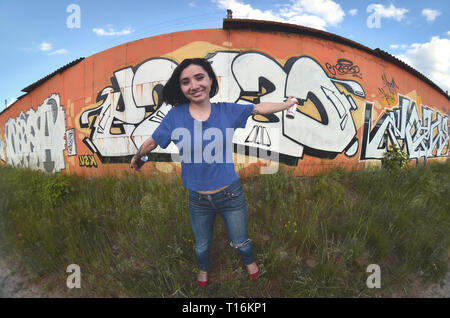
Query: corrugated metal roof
x,y
59,70
271,26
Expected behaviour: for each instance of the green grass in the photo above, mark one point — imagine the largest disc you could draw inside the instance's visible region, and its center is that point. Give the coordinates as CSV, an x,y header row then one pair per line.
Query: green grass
x,y
312,237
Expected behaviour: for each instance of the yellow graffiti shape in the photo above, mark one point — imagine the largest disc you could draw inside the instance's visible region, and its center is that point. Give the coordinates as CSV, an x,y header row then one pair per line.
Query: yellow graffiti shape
x,y
87,161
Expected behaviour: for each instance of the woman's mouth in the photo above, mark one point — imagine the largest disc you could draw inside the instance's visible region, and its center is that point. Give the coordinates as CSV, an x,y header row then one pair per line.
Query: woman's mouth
x,y
197,93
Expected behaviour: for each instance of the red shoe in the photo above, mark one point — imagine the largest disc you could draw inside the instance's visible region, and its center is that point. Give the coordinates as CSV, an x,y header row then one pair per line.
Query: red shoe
x,y
254,276
202,284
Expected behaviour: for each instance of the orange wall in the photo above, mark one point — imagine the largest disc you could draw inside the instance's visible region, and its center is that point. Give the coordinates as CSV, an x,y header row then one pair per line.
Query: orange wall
x,y
91,118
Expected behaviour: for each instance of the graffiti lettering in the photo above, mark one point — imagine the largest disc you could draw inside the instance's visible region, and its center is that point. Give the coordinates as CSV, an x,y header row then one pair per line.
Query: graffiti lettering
x,y
401,126
336,130
36,139
87,161
70,142
125,105
132,107
343,67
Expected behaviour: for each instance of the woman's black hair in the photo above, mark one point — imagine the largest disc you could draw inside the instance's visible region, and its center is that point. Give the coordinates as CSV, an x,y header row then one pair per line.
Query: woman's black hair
x,y
172,93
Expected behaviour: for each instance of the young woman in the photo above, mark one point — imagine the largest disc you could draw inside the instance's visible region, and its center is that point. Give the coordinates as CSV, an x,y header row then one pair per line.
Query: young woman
x,y
213,185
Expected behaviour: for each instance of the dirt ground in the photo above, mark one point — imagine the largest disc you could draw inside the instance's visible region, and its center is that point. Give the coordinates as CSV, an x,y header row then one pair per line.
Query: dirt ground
x,y
16,284
440,290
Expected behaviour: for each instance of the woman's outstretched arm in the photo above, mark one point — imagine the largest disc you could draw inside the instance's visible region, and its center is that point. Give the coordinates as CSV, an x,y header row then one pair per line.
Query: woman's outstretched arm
x,y
148,145
266,108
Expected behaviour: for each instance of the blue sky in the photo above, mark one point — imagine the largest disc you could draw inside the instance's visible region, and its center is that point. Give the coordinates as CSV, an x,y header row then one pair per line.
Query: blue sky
x,y
36,39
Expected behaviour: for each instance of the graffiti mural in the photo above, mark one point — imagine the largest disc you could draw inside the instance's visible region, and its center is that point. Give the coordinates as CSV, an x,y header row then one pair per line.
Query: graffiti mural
x,y
402,126
35,139
354,104
130,111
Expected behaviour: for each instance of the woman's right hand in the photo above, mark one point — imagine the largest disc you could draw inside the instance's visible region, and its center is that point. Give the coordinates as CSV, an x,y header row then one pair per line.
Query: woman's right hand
x,y
146,147
136,163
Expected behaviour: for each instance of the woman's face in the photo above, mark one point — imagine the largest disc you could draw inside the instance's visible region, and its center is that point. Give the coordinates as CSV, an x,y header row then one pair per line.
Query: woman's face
x,y
195,83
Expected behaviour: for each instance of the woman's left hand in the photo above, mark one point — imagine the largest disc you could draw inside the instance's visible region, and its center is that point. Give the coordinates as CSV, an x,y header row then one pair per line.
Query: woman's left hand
x,y
265,108
290,101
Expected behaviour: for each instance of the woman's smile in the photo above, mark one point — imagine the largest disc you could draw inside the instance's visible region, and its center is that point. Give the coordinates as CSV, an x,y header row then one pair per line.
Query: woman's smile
x,y
197,93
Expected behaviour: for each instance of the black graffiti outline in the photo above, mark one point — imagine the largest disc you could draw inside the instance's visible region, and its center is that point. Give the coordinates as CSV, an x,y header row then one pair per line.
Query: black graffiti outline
x,y
344,67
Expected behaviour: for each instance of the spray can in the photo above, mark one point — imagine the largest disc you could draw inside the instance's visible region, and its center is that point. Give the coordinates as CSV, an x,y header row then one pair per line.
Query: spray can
x,y
290,113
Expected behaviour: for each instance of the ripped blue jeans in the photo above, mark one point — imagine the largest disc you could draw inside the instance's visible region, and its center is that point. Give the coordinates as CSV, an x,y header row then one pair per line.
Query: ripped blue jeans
x,y
230,203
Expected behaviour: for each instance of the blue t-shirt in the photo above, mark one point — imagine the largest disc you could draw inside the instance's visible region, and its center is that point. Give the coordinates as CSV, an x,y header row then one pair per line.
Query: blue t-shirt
x,y
206,147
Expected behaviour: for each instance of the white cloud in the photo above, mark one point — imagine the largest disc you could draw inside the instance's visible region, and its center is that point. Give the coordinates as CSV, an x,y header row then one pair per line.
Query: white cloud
x,y
309,21
312,13
242,10
390,12
329,10
60,51
111,31
398,46
353,12
192,4
431,59
430,14
45,46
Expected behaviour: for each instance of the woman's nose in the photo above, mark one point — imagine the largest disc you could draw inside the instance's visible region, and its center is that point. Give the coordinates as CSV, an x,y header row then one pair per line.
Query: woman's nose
x,y
194,84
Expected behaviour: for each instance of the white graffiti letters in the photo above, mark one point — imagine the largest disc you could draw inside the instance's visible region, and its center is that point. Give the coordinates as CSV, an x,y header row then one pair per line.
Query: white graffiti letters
x,y
420,136
125,105
243,77
132,109
36,139
307,80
